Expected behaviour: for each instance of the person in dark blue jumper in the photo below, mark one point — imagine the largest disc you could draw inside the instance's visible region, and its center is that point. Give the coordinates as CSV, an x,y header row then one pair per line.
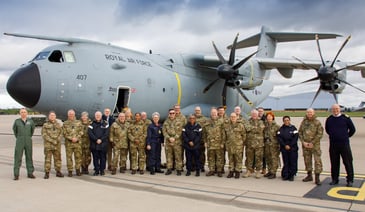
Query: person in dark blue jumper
x,y
288,140
98,133
192,135
340,128
154,141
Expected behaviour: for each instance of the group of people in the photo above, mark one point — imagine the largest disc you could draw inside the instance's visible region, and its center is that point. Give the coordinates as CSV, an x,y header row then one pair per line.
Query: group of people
x,y
110,141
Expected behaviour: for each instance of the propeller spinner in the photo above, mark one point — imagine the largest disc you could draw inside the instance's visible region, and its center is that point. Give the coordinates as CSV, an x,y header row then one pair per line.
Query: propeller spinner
x,y
228,71
328,74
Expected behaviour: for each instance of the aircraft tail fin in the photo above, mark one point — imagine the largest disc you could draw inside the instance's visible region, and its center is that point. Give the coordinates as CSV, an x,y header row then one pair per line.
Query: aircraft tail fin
x,y
266,40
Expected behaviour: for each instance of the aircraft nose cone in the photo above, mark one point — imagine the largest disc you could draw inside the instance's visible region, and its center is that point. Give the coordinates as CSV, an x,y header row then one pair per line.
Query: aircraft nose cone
x,y
24,85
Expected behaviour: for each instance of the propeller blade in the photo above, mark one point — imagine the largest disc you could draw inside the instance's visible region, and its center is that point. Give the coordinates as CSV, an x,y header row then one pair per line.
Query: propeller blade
x,y
347,83
315,96
313,79
304,64
238,65
233,51
244,96
319,49
210,85
350,66
221,58
339,51
333,92
224,94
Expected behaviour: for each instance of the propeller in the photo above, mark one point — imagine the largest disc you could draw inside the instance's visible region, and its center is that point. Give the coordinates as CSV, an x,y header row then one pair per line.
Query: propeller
x,y
228,71
328,74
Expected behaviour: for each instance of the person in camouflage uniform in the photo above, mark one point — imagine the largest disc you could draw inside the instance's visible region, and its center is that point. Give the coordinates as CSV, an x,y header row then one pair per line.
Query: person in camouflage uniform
x,y
272,148
137,134
201,120
224,119
85,143
51,134
214,138
255,145
72,132
172,131
310,135
235,133
147,122
118,137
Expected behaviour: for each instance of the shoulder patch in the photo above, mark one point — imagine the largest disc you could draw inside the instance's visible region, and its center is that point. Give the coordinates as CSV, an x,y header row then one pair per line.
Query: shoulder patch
x,y
91,127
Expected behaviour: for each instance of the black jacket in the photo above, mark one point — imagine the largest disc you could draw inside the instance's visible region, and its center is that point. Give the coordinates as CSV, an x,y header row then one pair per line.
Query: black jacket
x,y
192,133
288,135
99,130
154,134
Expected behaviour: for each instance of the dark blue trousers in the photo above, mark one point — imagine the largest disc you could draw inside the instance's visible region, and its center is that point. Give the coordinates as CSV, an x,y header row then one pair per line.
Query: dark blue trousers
x,y
190,154
154,156
99,160
290,160
343,151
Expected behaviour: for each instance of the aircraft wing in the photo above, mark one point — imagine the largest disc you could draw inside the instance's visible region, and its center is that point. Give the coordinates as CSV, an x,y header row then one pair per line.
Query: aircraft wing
x,y
286,66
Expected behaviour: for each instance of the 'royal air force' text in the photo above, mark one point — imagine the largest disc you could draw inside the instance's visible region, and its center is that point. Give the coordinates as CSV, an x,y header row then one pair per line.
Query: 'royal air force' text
x,y
127,60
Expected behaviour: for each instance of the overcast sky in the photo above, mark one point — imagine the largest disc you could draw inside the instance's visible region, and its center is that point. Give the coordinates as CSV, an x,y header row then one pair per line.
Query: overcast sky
x,y
186,26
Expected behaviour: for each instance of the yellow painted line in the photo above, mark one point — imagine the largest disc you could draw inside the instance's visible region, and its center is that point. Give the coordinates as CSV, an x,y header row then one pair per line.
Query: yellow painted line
x,y
336,193
178,88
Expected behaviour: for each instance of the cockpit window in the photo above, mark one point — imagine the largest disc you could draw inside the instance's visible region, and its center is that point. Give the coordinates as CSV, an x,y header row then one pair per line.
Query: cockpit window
x,y
69,56
56,57
41,56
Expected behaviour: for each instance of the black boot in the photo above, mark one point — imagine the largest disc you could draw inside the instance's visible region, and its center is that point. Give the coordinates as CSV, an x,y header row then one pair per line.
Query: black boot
x,y
197,173
317,180
168,172
309,177
230,174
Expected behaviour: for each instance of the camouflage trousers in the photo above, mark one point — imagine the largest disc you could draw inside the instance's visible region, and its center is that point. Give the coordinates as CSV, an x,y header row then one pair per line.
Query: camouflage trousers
x,y
110,156
316,153
85,157
216,159
138,156
272,153
56,153
120,154
73,151
254,157
235,157
174,151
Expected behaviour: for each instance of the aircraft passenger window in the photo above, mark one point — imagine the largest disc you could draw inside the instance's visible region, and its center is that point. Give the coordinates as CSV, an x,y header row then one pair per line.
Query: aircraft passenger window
x,y
56,57
69,56
41,56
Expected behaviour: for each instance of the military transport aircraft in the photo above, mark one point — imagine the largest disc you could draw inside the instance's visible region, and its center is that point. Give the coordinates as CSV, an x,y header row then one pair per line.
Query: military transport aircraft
x,y
89,76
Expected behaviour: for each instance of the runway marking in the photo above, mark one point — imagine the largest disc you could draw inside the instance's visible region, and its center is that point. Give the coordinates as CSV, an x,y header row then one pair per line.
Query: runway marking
x,y
339,192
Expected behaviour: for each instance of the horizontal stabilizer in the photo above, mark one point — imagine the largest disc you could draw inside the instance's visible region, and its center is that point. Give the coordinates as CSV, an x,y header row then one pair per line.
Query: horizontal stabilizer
x,y
283,37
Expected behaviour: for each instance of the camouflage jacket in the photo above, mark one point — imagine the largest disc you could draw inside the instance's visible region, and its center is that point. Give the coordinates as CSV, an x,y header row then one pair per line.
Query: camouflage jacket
x,y
181,118
213,134
118,134
137,132
72,129
270,133
172,129
51,134
310,130
85,141
255,138
235,134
